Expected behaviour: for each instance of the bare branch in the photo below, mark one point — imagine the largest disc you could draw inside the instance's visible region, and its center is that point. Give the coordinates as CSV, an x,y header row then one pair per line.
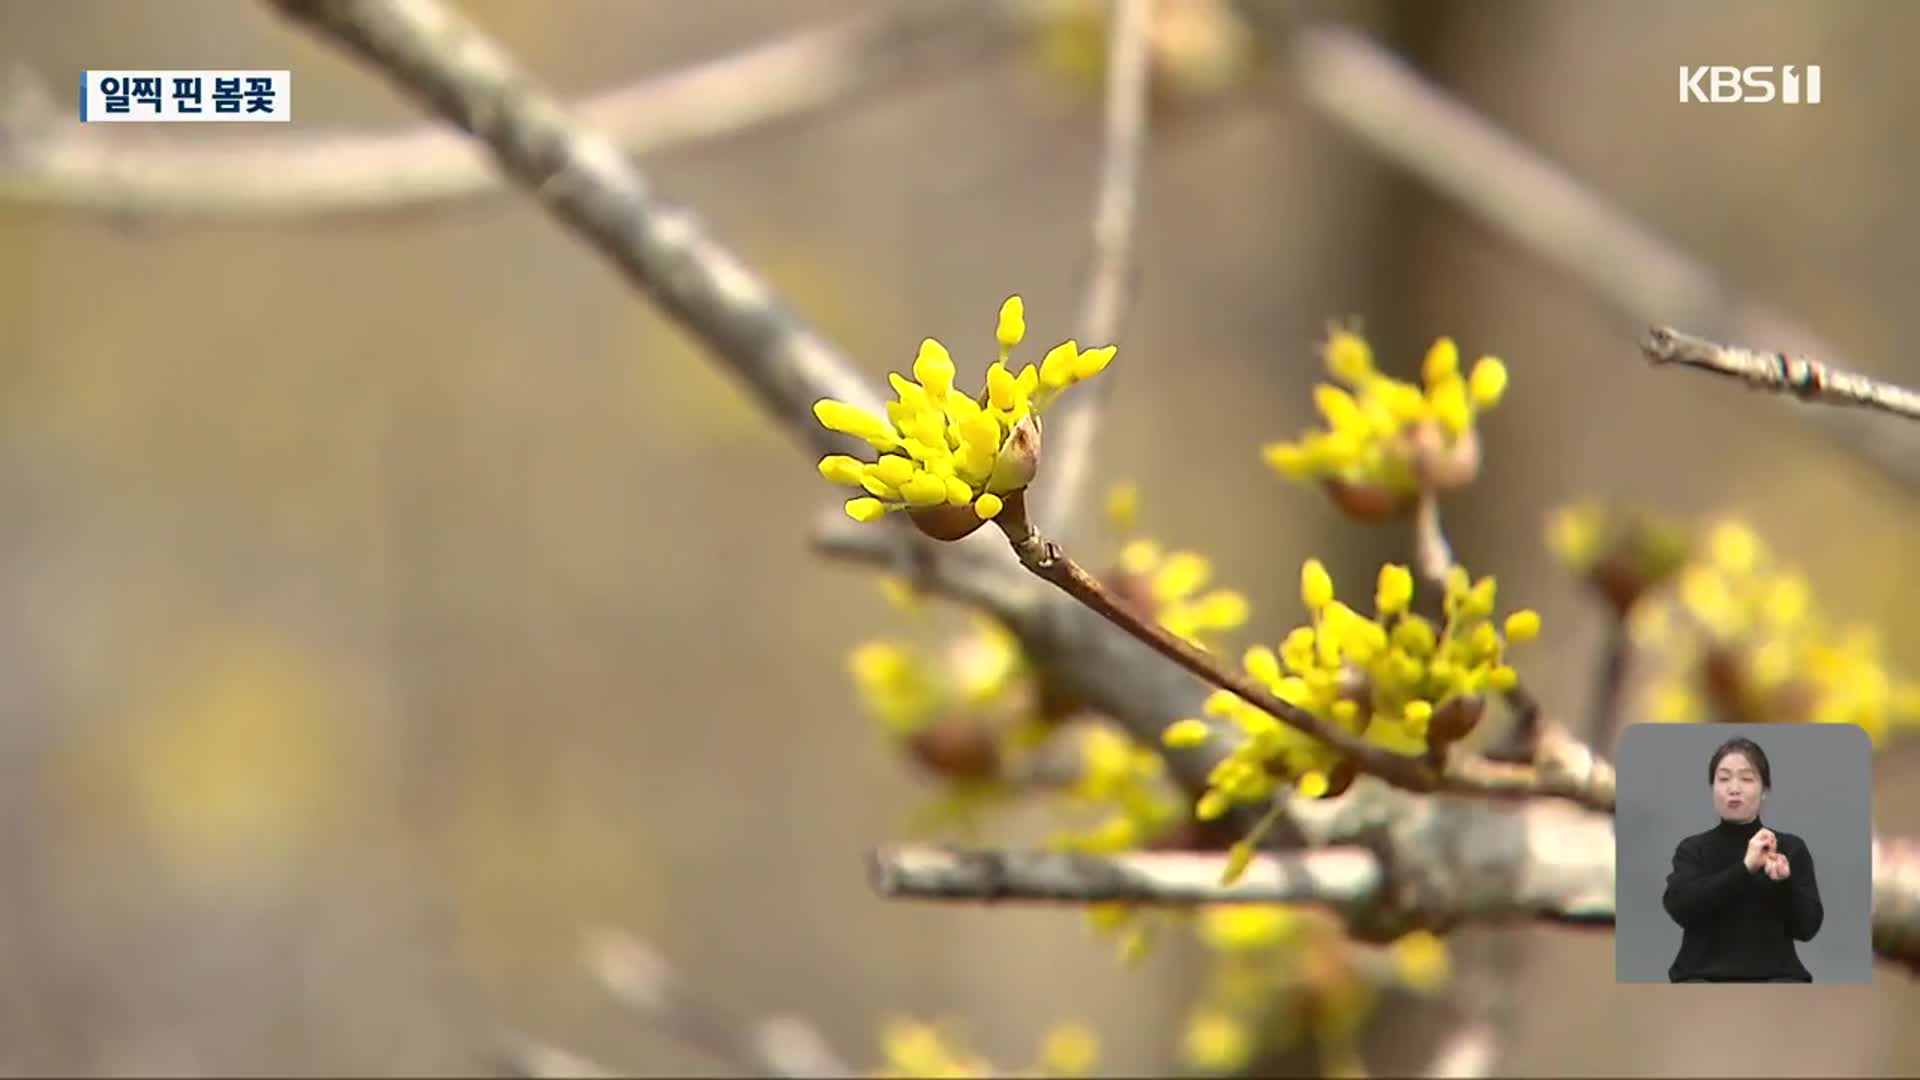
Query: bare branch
x,y
584,181
1336,876
1420,127
639,978
962,572
1074,422
1802,377
48,159
1426,862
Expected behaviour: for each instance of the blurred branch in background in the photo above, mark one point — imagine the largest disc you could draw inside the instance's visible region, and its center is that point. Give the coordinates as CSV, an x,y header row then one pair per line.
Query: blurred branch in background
x,y
1423,129
49,159
1112,269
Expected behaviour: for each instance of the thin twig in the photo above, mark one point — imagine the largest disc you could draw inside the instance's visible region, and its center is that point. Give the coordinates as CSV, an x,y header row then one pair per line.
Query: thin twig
x,y
1432,555
1417,125
639,978
1800,376
1580,777
48,159
1071,428
584,180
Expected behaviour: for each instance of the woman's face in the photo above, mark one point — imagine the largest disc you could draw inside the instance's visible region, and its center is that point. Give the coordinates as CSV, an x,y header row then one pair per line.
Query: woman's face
x,y
1737,793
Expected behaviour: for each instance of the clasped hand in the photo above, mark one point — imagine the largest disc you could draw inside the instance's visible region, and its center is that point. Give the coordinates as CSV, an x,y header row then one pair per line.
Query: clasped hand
x,y
1764,855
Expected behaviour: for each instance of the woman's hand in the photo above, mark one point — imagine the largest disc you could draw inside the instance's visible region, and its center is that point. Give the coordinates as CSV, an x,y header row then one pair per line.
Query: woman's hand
x,y
1777,867
1759,849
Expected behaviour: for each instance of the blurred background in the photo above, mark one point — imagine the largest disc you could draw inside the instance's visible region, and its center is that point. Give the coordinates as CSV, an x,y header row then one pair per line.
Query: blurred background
x,y
392,599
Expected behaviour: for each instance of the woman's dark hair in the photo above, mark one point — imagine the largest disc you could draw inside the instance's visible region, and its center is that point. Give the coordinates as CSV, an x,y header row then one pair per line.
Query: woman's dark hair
x,y
1753,754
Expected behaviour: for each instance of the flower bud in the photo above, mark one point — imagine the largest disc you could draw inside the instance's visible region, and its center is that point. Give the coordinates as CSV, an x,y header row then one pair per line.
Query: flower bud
x,y
956,748
1019,458
1443,463
1455,719
946,522
1370,504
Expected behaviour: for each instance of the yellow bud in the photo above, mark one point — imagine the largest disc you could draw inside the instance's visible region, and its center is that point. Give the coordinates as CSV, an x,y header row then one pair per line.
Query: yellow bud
x,y
865,510
1488,383
1221,703
1348,356
1093,362
1183,574
1221,609
1185,734
1013,322
1212,806
1217,1042
988,506
852,420
934,368
1313,784
924,490
1338,406
1503,678
1450,407
1417,711
1422,961
1123,506
842,469
1262,664
1288,459
1070,1049
1442,363
1395,591
1523,625
1316,585
1003,390
958,493
1056,368
1139,556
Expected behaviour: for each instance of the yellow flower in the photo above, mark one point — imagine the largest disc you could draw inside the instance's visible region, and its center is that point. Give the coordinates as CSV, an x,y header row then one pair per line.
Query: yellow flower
x,y
1743,640
1381,434
1422,961
940,448
1069,1050
1217,1042
1385,678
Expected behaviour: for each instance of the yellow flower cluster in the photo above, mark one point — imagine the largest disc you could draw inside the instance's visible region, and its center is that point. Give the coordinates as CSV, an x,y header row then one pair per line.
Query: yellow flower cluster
x,y
1280,960
941,448
1126,782
1395,679
1171,585
1386,435
1745,642
1619,554
917,1050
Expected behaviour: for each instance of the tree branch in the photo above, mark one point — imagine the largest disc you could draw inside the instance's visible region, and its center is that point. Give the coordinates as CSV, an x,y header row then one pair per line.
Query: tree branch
x,y
1799,376
664,250
47,159
1420,127
1428,863
1071,428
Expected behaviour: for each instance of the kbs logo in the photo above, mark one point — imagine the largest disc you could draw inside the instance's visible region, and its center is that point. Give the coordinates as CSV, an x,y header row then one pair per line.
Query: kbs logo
x,y
1718,85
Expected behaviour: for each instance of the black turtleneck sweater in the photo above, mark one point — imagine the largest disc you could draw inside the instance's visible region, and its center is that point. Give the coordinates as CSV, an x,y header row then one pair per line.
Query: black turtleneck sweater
x,y
1739,925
